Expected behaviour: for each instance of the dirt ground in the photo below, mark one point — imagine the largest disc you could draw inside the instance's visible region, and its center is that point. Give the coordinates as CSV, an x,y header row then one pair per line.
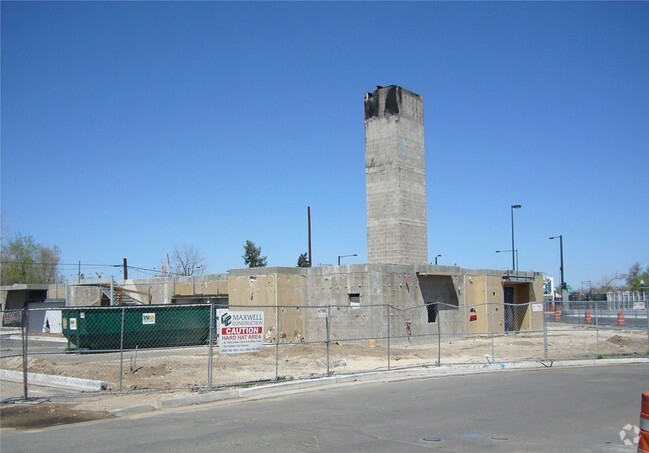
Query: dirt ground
x,y
147,374
42,414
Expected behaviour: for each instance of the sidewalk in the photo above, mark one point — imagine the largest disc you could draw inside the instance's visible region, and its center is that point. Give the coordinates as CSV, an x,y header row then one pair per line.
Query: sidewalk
x,y
120,404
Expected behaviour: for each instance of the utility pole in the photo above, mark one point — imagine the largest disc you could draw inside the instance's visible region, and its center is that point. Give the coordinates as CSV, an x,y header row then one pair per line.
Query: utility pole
x,y
309,221
514,206
125,269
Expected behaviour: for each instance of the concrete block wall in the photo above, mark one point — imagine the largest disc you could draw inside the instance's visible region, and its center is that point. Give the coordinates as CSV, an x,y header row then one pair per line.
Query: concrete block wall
x,y
395,177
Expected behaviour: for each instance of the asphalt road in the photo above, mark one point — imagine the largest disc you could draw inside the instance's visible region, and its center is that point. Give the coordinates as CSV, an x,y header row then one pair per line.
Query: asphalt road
x,y
13,347
554,409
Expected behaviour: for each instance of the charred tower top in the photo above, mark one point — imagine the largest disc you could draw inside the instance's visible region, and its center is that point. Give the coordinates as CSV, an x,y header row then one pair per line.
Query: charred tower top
x,y
395,177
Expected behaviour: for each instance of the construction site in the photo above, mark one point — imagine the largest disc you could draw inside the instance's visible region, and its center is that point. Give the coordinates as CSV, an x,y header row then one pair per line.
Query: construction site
x,y
397,311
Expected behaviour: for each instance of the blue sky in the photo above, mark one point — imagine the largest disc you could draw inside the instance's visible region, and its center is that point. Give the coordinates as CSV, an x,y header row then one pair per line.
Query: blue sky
x,y
129,128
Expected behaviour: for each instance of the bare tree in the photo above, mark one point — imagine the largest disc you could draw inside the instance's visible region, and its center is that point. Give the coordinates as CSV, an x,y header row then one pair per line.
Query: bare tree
x,y
187,260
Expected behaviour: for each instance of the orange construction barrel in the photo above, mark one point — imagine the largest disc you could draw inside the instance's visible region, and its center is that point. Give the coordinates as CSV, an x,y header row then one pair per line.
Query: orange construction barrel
x,y
643,442
588,320
557,315
620,318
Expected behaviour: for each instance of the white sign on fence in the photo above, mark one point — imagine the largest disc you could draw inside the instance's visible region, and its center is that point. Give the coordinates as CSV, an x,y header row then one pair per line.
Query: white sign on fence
x,y
638,305
537,307
148,318
240,331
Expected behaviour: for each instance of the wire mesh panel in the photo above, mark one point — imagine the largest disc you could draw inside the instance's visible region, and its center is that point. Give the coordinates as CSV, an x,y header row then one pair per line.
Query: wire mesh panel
x,y
358,338
465,337
300,354
12,384
414,336
590,329
572,330
522,336
46,351
256,332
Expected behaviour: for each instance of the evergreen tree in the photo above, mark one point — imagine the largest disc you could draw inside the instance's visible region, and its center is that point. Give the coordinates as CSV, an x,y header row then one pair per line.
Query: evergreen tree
x,y
303,261
252,255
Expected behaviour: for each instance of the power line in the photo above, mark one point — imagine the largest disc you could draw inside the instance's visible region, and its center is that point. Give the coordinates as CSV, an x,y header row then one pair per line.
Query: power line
x,y
58,264
84,265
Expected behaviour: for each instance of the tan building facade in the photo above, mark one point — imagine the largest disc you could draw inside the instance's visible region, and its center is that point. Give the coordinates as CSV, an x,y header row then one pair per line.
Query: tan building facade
x,y
461,300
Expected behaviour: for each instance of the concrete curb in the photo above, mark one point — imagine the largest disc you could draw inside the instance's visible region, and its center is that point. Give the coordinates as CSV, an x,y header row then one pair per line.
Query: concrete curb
x,y
302,386
9,331
39,338
189,400
130,410
49,380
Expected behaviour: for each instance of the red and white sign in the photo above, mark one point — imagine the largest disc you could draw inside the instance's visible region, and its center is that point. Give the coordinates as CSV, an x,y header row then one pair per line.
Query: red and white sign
x,y
240,331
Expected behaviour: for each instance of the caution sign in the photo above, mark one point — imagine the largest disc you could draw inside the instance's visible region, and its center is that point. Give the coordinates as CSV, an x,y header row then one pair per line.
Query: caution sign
x,y
240,331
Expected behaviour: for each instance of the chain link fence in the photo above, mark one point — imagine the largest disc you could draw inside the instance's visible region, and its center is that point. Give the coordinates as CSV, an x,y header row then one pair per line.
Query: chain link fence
x,y
159,347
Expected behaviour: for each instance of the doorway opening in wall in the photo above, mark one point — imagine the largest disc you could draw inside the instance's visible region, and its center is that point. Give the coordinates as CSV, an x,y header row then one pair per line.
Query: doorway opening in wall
x,y
355,300
432,311
509,308
517,316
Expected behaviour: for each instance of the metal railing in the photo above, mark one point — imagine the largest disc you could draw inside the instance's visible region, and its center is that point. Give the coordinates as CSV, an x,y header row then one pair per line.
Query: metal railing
x,y
190,346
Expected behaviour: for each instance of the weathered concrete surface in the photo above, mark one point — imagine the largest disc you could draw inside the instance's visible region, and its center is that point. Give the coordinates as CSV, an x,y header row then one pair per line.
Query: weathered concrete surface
x,y
395,170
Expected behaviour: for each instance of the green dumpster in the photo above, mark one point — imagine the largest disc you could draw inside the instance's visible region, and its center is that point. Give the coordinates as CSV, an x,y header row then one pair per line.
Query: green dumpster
x,y
149,326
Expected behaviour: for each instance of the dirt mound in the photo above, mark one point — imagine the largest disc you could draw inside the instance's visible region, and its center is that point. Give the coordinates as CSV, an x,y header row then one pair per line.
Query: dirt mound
x,y
620,341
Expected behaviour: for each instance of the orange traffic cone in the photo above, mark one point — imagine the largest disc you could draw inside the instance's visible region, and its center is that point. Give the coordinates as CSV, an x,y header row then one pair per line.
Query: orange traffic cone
x,y
620,318
643,442
587,320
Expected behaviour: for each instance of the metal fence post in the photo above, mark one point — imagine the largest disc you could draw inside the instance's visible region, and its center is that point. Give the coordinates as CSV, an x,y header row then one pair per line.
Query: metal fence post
x,y
388,306
121,352
328,337
439,334
25,356
646,306
491,328
545,335
276,336
210,360
596,332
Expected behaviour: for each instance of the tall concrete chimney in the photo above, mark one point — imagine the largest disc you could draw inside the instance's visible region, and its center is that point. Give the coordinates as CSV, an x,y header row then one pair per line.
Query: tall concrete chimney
x,y
395,177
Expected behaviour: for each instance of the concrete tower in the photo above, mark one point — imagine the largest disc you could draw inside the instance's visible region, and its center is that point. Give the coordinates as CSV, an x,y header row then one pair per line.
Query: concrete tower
x,y
395,177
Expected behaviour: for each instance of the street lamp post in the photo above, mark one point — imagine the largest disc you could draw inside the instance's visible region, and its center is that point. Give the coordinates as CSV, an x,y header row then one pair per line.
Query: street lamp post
x,y
642,288
563,282
344,256
514,206
437,256
590,290
507,251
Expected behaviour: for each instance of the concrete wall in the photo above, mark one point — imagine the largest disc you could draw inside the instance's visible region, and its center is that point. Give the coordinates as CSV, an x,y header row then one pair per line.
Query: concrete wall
x,y
282,290
402,287
395,171
164,289
81,296
358,296
348,289
202,285
485,294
